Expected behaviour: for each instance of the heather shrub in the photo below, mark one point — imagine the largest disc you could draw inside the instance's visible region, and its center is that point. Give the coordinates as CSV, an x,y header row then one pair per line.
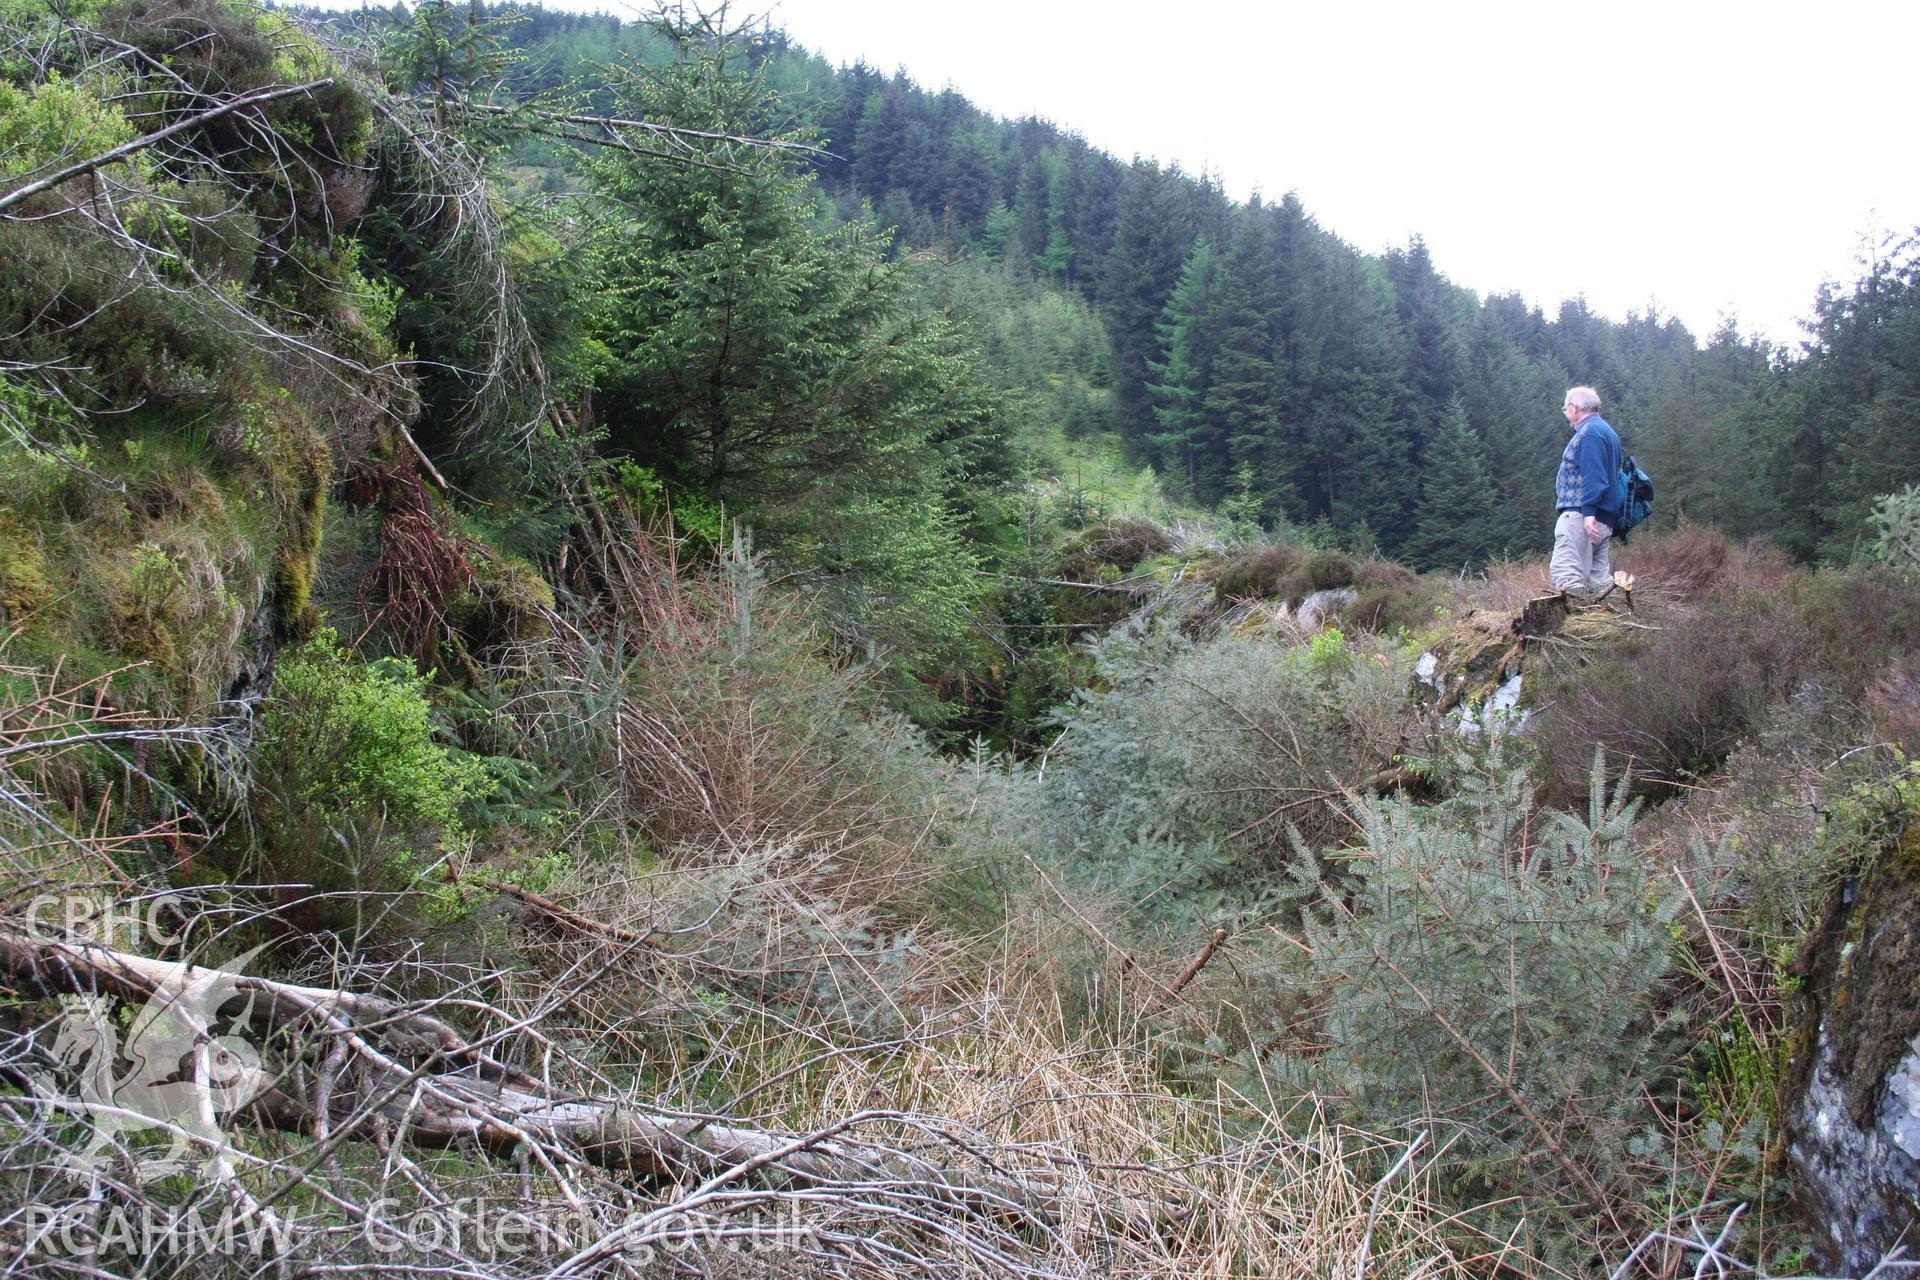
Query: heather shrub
x,y
1696,563
1493,973
1281,572
1121,544
1323,571
1675,698
1858,623
1668,704
1389,597
216,48
1258,573
1893,702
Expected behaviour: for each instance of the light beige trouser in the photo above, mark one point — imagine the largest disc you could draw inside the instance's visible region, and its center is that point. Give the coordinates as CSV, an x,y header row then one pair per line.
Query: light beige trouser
x,y
1579,564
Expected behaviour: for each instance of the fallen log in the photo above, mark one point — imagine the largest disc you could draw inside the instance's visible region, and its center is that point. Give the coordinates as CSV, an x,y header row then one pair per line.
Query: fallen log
x,y
415,1074
569,920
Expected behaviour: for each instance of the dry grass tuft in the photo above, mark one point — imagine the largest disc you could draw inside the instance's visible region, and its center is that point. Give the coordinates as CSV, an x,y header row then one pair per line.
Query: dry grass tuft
x,y
1693,563
736,727
1292,1195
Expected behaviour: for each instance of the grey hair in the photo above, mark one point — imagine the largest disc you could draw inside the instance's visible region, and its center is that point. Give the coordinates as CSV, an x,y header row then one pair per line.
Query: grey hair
x,y
1585,399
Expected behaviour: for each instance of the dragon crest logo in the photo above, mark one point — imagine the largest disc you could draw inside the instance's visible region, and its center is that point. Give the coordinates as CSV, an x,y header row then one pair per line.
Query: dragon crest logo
x,y
171,1071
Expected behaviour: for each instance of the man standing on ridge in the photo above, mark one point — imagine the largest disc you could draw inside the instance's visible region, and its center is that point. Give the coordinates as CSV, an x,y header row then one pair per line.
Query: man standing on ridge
x,y
1583,494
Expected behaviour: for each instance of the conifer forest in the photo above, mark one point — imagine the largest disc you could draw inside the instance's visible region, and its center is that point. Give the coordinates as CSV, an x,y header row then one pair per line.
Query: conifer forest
x,y
626,651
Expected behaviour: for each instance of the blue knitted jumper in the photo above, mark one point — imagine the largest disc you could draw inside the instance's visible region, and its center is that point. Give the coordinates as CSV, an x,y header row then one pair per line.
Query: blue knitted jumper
x,y
1587,471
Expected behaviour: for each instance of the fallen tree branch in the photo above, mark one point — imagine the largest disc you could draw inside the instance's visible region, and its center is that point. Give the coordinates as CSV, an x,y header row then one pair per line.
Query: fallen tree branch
x,y
1195,965
1123,587
568,918
146,140
417,1075
675,133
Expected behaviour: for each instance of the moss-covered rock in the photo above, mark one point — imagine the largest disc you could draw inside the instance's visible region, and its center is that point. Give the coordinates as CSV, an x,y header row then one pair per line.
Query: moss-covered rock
x,y
508,603
1850,1100
1472,659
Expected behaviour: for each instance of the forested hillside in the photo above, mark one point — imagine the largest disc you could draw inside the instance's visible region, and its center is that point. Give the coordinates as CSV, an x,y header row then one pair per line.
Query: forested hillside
x,y
1253,352
627,654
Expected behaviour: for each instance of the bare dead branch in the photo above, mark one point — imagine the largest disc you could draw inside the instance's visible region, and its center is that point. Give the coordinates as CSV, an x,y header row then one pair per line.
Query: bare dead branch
x,y
146,140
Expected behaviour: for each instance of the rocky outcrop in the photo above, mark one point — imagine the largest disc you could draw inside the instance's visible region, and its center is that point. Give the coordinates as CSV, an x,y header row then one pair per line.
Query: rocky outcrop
x,y
1850,1103
1477,656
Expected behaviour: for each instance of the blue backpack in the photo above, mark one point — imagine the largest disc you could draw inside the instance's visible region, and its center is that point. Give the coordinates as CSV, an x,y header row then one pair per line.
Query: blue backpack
x,y
1632,496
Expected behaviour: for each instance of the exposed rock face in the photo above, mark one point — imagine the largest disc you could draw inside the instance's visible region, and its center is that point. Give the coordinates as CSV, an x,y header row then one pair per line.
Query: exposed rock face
x,y
1850,1109
1477,657
1313,610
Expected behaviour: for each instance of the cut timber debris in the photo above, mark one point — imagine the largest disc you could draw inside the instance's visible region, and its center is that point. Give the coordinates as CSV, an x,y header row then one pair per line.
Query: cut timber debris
x,y
1542,616
412,1072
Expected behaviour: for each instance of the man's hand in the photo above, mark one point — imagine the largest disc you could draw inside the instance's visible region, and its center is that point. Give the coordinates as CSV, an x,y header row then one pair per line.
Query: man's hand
x,y
1596,531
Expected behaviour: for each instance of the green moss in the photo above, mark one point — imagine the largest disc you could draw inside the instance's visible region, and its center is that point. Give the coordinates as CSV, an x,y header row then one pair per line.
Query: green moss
x,y
299,560
217,514
508,602
24,585
294,611
515,582
1862,964
286,467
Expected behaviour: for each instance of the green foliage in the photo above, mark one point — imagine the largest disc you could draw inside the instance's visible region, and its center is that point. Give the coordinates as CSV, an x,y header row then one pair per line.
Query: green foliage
x,y
692,511
1842,436
449,52
1178,780
358,738
1896,524
56,121
1243,504
356,794
1495,972
1458,503
1181,381
897,576
770,359
735,306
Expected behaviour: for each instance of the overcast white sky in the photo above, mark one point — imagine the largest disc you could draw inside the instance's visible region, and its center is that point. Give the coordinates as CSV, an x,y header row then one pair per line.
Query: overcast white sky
x,y
1703,157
